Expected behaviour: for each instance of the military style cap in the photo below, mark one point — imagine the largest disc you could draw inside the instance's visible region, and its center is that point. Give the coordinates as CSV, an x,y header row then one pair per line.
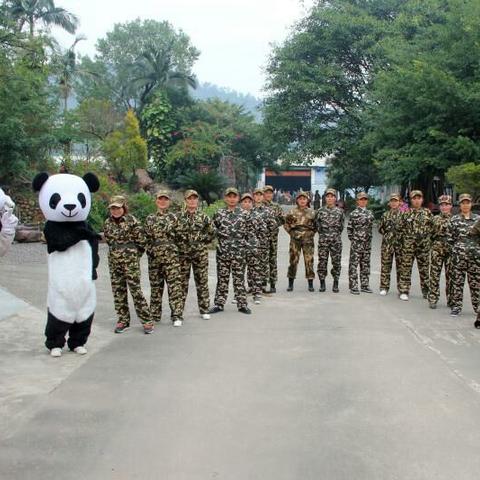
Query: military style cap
x,y
258,190
331,191
416,193
191,193
268,188
163,193
362,195
465,196
301,193
118,201
445,199
230,190
395,196
247,195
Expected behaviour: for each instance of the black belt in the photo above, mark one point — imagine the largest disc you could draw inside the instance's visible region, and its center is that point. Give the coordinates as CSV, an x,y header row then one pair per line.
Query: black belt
x,y
122,246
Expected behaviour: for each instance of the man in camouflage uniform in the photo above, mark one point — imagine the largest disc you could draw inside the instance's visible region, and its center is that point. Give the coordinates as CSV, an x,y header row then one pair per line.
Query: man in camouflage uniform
x,y
300,225
465,256
231,224
195,234
416,231
161,230
126,241
389,227
329,222
440,252
475,234
277,212
359,230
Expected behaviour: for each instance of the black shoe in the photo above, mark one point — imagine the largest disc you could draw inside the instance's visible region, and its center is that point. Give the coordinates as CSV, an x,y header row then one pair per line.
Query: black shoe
x,y
367,289
216,309
455,312
477,322
245,310
310,286
322,286
290,285
335,288
272,288
433,305
354,291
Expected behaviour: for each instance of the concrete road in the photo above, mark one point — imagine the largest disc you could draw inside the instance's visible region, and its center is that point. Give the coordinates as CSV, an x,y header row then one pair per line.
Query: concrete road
x,y
311,386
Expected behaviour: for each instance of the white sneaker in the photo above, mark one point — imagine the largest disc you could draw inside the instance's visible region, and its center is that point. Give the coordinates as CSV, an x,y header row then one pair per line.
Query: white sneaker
x,y
234,302
206,316
56,352
404,297
383,292
80,350
177,323
256,300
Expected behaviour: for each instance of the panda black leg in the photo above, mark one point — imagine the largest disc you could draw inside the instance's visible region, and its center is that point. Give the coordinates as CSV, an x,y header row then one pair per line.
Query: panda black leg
x,y
79,333
55,332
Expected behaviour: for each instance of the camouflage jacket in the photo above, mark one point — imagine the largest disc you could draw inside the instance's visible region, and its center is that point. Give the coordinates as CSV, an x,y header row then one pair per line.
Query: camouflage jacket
x,y
161,231
277,213
441,225
360,224
329,222
300,223
417,224
390,227
263,225
195,232
462,233
232,230
124,236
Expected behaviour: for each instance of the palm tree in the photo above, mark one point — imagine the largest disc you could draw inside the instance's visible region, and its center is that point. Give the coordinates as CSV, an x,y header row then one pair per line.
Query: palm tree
x,y
29,12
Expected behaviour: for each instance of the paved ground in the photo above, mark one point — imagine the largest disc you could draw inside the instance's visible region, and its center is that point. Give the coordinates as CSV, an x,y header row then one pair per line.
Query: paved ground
x,y
311,386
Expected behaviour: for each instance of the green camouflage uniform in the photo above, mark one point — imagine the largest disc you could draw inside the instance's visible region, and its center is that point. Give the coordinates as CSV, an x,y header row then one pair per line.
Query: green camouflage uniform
x,y
416,231
465,260
195,233
359,230
277,212
300,225
440,254
329,222
390,229
232,234
161,230
126,242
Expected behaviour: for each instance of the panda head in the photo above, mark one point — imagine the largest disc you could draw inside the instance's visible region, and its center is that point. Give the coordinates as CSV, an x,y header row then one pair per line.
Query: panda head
x,y
64,197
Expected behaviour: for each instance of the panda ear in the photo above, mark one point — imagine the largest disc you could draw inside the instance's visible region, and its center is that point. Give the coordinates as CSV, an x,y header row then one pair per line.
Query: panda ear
x,y
92,182
39,180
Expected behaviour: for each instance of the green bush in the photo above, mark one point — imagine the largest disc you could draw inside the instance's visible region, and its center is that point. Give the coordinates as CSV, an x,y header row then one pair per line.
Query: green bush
x,y
211,209
141,205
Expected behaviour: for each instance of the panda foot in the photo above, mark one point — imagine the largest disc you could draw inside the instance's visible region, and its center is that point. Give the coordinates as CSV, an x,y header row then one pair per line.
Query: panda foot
x,y
477,323
80,350
56,352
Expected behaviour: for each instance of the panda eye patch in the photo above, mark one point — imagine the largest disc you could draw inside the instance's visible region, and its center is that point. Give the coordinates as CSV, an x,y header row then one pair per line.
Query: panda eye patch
x,y
82,200
54,201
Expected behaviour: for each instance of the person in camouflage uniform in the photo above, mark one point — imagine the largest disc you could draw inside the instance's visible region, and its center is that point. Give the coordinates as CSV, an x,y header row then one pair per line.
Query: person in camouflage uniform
x,y
465,259
329,222
300,225
416,232
231,224
126,242
475,234
440,252
195,234
161,230
389,227
277,212
359,230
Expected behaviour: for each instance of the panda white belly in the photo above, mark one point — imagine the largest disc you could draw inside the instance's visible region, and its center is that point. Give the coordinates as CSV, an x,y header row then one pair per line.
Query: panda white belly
x,y
71,290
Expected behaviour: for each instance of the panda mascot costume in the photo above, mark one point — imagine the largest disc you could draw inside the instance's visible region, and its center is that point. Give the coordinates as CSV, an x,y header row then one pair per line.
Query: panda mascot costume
x,y
8,222
72,245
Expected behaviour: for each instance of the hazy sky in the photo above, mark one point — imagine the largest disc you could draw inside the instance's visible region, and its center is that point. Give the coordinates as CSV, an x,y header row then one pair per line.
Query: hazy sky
x,y
234,36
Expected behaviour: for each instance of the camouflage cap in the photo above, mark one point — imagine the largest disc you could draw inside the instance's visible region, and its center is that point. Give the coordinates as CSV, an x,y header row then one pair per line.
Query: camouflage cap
x,y
445,199
191,193
301,193
230,190
331,191
268,188
465,196
395,196
362,195
247,195
118,201
163,193
416,193
258,190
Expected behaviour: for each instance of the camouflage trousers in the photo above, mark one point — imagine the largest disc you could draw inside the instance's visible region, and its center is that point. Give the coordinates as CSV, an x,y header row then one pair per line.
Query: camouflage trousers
x,y
297,247
272,259
255,267
234,265
165,268
439,258
198,262
124,276
329,247
412,249
389,253
359,260
464,264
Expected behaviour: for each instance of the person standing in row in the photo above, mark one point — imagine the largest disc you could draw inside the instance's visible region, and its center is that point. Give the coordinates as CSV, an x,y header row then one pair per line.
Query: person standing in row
x,y
277,212
161,230
465,260
329,223
126,242
416,231
231,224
390,229
300,225
359,231
475,234
195,234
440,252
